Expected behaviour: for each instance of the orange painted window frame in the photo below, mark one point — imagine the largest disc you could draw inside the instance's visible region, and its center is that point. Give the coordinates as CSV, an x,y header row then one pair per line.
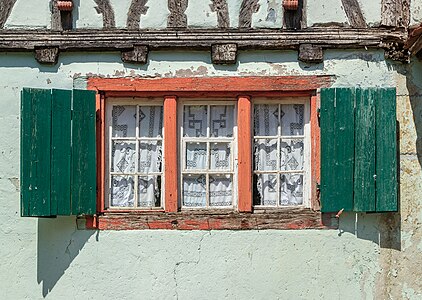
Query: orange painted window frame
x,y
243,88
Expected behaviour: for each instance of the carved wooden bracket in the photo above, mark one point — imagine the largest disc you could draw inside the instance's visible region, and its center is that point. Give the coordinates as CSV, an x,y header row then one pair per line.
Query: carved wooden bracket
x,y
138,55
224,54
311,53
47,55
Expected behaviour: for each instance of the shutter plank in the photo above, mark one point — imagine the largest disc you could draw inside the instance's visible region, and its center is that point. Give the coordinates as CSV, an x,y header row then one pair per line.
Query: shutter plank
x,y
83,153
386,153
344,144
364,181
337,149
61,152
35,152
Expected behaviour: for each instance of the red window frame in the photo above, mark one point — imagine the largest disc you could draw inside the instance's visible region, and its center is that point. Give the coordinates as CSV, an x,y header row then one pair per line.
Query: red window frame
x,y
244,89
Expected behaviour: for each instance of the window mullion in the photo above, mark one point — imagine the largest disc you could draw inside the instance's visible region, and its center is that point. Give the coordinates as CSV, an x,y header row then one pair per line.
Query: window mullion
x,y
136,183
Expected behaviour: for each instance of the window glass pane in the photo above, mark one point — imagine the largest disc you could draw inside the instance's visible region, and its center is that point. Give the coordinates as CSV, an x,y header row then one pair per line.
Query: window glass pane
x,y
124,121
149,191
292,119
266,120
291,191
194,191
221,190
196,156
220,156
291,156
122,191
222,119
265,154
150,157
195,120
150,121
123,157
267,191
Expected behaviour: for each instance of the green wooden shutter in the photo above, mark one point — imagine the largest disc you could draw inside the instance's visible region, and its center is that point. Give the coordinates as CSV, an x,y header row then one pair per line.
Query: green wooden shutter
x,y
358,150
58,161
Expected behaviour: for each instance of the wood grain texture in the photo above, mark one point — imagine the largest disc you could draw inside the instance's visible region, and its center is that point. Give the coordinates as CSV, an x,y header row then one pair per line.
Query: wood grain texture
x,y
315,153
265,39
247,9
294,19
224,54
354,13
311,53
196,85
83,172
171,169
177,17
138,55
61,152
386,153
222,10
395,13
244,168
136,9
289,218
104,8
364,177
6,7
47,55
56,19
35,153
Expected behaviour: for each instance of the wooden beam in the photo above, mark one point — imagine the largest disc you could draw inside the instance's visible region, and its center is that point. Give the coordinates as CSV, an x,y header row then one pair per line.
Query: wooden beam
x,y
5,10
395,13
104,8
48,55
95,40
247,9
354,13
224,54
310,53
136,9
222,10
293,19
177,17
56,19
138,55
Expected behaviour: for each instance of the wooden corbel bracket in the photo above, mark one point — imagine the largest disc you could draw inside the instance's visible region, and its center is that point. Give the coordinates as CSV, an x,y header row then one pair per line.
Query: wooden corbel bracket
x,y
47,55
310,53
137,55
224,54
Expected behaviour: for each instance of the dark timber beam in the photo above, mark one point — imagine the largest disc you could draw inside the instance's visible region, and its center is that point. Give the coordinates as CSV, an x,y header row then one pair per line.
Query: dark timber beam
x,y
136,9
395,13
295,19
5,10
224,54
311,54
47,55
354,13
137,55
222,10
247,9
177,17
104,7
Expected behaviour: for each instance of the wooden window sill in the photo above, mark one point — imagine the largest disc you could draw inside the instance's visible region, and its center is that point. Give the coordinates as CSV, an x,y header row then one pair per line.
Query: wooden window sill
x,y
285,218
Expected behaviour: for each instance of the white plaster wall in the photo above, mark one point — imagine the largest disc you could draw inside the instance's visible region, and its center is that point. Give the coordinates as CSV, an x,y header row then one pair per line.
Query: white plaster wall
x,y
415,12
32,14
50,258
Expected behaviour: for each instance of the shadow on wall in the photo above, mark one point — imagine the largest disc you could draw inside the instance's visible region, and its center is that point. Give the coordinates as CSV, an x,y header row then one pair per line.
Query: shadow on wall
x,y
59,242
383,229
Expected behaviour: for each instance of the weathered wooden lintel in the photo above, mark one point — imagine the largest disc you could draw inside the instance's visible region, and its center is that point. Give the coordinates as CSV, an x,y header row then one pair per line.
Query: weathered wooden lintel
x,y
121,40
138,55
310,53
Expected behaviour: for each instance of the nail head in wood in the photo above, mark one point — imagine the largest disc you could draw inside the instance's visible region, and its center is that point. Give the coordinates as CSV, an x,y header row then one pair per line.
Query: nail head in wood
x,y
224,54
137,55
47,55
311,53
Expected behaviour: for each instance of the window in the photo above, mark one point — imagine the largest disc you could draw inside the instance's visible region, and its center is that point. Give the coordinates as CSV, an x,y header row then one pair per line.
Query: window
x,y
135,153
151,157
281,153
208,150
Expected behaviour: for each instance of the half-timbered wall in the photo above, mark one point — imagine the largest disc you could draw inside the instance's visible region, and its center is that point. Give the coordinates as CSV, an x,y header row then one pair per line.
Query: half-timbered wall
x,y
369,256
